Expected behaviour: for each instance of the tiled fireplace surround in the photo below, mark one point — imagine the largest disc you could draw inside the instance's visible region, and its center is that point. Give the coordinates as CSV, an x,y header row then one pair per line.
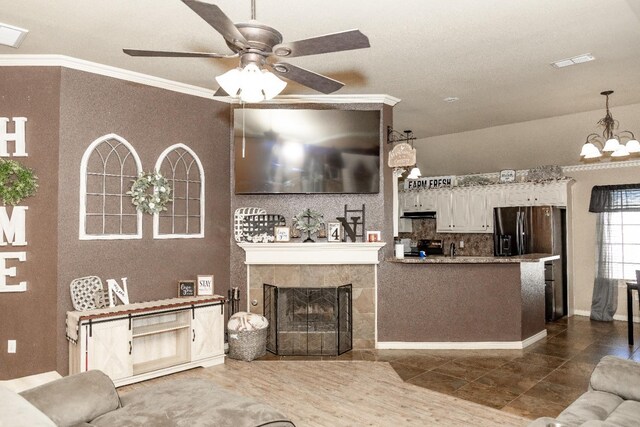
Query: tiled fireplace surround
x,y
362,275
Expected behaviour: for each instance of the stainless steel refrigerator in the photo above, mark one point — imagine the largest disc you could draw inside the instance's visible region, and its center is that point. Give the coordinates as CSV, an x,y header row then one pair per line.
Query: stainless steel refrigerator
x,y
536,229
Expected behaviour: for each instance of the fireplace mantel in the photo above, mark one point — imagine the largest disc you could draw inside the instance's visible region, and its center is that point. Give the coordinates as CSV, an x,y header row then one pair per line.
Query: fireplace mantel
x,y
311,253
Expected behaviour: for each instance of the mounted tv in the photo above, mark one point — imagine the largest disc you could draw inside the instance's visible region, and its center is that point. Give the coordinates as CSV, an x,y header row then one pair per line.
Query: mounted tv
x,y
299,151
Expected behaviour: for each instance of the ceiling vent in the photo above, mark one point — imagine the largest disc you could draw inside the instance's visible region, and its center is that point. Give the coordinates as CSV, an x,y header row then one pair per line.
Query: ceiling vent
x,y
573,60
11,36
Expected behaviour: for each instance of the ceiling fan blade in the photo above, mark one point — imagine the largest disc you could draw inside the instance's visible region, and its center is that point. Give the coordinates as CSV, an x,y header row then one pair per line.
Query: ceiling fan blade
x,y
307,78
336,42
218,20
162,53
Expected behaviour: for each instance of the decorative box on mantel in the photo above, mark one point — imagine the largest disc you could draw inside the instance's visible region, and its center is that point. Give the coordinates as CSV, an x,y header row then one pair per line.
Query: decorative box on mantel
x,y
320,265
312,253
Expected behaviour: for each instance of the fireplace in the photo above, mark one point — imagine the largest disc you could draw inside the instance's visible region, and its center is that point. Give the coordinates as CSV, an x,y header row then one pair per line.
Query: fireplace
x,y
308,321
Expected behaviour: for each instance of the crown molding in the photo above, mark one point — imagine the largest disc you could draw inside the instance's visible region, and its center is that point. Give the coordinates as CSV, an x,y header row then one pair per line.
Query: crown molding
x,y
104,70
602,165
328,99
146,79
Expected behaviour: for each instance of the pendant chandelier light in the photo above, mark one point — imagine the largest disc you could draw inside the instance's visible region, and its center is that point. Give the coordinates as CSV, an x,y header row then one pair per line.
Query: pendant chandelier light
x,y
403,154
611,143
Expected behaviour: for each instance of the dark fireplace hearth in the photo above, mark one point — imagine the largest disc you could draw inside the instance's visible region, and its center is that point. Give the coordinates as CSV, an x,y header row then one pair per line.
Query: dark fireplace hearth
x,y
308,321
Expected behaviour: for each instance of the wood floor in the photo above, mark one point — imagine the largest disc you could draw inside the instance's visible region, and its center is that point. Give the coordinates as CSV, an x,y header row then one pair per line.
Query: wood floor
x,y
343,393
430,387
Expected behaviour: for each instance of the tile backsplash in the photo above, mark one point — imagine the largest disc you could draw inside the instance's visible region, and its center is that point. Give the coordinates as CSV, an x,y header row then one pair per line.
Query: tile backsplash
x,y
475,244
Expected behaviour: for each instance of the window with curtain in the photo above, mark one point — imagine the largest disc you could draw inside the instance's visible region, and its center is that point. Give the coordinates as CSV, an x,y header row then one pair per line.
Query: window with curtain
x,y
623,243
618,243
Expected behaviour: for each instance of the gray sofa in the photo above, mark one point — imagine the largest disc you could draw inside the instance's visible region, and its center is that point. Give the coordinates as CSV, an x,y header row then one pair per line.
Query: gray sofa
x,y
613,398
90,399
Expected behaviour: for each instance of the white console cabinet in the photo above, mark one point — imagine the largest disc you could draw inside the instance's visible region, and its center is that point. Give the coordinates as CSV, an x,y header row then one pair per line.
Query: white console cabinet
x,y
135,342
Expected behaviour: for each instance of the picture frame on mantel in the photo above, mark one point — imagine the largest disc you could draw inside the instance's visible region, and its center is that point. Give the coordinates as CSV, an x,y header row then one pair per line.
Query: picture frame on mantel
x,y
334,232
282,234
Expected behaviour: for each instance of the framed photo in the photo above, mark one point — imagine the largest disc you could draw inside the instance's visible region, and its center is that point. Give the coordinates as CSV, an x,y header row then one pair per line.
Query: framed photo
x,y
374,236
281,234
205,285
507,175
187,288
334,232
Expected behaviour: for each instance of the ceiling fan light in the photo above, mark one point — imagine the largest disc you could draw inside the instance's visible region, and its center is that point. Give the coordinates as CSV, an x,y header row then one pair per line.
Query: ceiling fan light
x,y
271,85
611,145
590,151
633,146
621,151
230,81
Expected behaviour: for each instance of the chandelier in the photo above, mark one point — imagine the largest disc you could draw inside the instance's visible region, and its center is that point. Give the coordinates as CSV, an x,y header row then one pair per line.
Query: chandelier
x,y
611,143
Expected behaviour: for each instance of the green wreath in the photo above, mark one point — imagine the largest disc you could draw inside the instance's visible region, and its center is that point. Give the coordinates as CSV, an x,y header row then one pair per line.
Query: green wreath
x,y
150,193
16,182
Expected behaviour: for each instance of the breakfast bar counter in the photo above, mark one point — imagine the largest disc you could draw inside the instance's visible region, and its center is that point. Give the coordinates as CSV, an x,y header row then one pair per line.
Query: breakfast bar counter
x,y
463,302
440,259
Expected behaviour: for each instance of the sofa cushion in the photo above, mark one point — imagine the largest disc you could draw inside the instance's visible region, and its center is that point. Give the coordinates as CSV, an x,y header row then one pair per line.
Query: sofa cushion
x,y
592,405
76,399
190,403
617,376
627,414
16,411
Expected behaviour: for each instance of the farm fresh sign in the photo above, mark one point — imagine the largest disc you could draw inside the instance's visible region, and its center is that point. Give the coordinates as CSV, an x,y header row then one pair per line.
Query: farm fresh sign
x,y
12,223
426,183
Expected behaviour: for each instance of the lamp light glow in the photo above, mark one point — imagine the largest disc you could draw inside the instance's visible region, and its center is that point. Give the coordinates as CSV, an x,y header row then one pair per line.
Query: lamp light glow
x,y
415,173
611,145
251,84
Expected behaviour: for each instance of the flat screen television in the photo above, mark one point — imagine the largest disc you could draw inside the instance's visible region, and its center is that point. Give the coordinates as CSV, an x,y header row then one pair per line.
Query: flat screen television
x,y
306,151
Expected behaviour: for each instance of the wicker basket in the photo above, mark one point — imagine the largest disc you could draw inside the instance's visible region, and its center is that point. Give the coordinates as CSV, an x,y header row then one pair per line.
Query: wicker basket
x,y
247,345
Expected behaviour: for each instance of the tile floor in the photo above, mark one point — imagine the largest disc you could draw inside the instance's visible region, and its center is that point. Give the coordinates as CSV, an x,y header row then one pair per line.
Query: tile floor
x,y
540,380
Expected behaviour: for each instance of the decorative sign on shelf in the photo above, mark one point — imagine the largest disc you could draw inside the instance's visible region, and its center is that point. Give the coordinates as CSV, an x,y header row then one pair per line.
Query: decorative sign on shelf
x,y
507,175
205,285
187,288
426,183
122,293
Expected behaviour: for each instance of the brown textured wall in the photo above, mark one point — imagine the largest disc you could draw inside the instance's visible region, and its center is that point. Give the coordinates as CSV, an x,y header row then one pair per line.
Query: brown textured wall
x,y
465,302
30,317
532,298
151,119
331,205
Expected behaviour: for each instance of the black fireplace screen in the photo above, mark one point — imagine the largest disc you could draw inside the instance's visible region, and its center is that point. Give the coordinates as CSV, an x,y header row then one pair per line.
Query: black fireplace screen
x,y
308,321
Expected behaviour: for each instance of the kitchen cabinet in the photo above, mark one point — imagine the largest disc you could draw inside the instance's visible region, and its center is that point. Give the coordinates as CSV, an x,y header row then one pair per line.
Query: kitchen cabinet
x,y
415,201
530,194
477,220
136,342
444,211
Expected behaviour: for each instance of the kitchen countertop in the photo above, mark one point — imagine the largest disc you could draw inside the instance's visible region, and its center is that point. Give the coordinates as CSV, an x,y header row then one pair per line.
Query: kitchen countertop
x,y
439,259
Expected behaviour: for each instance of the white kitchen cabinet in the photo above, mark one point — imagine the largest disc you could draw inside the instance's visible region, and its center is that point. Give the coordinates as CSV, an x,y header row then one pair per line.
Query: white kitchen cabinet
x,y
136,342
459,211
415,201
530,194
494,198
444,211
476,211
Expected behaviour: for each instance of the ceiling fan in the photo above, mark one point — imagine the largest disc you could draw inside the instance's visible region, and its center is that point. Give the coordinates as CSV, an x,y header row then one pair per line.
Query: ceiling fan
x,y
259,46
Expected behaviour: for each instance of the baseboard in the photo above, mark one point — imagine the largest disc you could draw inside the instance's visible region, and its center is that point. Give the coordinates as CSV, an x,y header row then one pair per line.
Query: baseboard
x,y
621,317
481,345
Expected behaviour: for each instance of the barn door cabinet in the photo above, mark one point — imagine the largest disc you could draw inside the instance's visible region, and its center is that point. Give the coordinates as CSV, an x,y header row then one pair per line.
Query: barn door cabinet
x,y
136,342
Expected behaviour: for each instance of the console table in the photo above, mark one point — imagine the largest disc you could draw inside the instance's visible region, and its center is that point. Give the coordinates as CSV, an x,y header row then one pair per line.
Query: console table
x,y
136,342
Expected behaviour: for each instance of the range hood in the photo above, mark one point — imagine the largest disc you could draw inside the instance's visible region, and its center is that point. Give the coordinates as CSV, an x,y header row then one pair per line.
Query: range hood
x,y
419,214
